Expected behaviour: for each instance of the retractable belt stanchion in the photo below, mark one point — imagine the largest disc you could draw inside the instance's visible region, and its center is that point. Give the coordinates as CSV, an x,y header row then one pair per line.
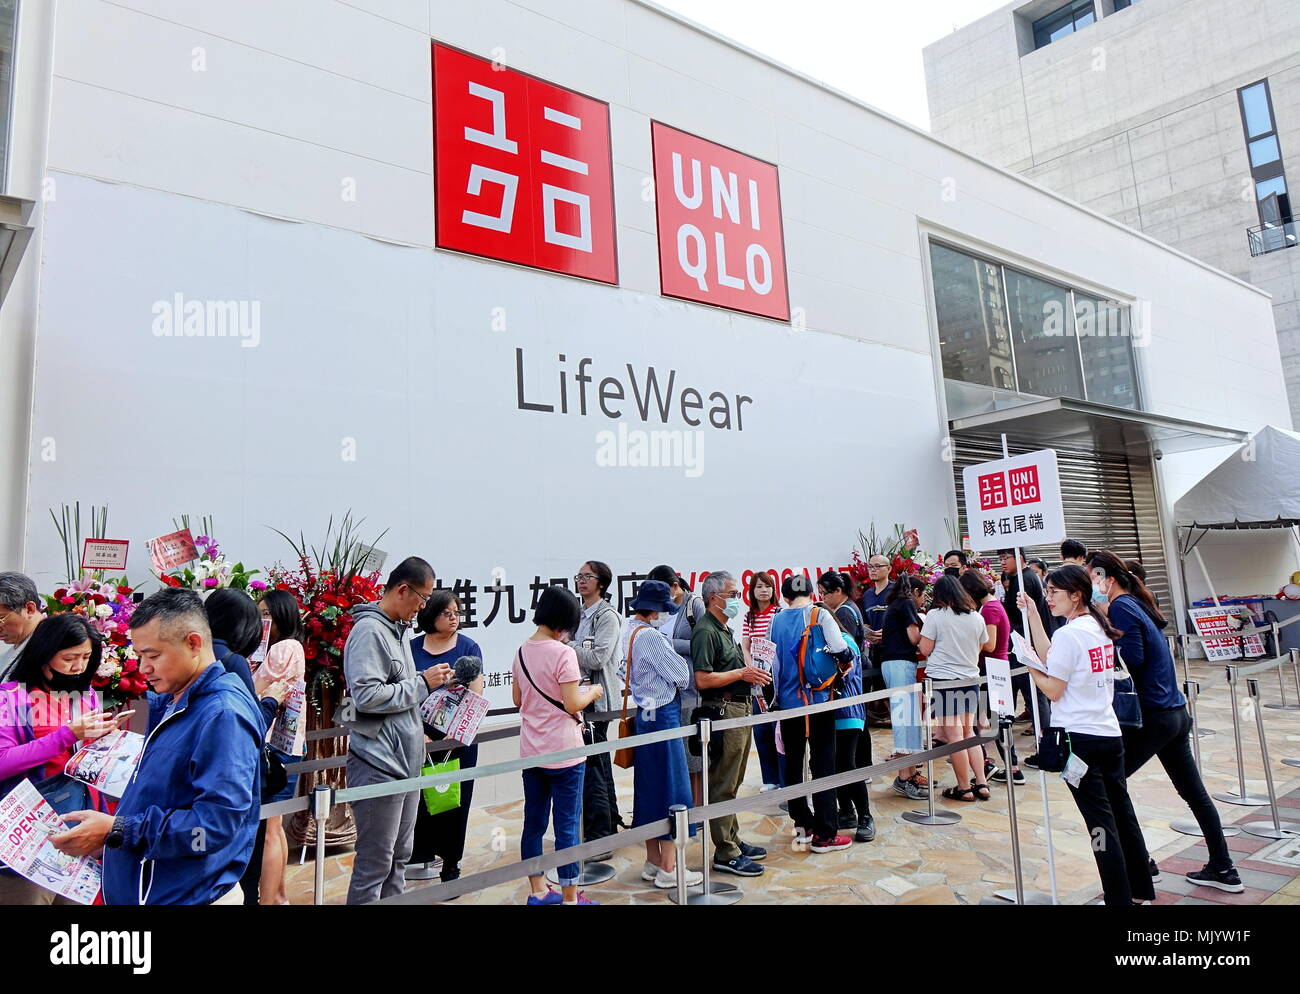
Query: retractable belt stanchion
x,y
1281,681
1265,829
1241,796
1187,677
1037,897
681,833
709,891
1019,895
1295,672
320,813
1189,826
589,874
930,816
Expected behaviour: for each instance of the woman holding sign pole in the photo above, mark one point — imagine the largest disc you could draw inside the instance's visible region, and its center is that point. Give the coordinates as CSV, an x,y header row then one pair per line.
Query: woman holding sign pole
x,y
1077,674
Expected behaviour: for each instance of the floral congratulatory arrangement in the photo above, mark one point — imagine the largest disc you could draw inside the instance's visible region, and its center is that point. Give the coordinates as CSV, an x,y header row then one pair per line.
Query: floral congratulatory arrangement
x,y
212,570
107,605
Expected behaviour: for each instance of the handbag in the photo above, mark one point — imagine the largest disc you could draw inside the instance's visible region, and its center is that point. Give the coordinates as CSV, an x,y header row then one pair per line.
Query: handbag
x,y
444,798
1053,750
1124,700
626,756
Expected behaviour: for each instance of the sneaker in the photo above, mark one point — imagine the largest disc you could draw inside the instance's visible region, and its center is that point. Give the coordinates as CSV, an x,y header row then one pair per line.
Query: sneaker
x,y
802,837
868,779
649,871
905,788
1021,718
1228,880
1028,731
989,767
604,857
921,780
831,844
756,853
1000,776
1156,876
848,820
866,830
1030,762
767,788
582,901
552,896
666,881
784,806
741,866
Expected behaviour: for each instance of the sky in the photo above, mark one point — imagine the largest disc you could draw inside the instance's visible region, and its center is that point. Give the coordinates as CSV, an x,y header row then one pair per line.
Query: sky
x,y
870,49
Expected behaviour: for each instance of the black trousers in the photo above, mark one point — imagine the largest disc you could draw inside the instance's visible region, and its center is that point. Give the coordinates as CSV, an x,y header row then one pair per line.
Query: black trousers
x,y
444,834
599,804
1102,799
823,819
1167,734
850,754
250,883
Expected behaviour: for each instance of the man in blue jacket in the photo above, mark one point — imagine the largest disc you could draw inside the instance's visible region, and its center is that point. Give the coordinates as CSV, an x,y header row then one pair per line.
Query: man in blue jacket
x,y
184,830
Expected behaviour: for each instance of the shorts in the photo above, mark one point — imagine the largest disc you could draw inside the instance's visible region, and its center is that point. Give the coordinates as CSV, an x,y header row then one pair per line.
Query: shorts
x,y
956,701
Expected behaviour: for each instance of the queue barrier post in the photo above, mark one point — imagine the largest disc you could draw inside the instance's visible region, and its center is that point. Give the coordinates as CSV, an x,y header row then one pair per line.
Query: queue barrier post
x,y
590,872
1019,895
1199,731
1295,673
709,892
1281,681
1189,826
1241,796
930,816
1275,829
322,798
681,834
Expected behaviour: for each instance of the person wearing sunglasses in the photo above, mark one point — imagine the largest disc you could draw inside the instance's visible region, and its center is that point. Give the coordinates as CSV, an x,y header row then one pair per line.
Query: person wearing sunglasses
x,y
20,613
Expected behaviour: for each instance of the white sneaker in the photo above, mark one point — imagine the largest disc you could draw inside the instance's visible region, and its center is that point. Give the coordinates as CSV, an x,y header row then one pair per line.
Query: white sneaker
x,y
650,871
767,787
666,881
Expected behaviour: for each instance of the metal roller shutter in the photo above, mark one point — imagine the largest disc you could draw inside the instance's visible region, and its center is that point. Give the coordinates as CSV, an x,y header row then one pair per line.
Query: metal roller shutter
x,y
1110,503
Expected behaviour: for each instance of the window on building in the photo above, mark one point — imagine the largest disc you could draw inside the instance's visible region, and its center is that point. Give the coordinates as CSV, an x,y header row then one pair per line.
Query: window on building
x,y
8,28
1121,4
1063,21
1272,197
1005,329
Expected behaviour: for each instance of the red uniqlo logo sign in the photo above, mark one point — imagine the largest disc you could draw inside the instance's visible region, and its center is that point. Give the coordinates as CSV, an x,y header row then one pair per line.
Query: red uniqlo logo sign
x,y
522,169
993,491
720,235
1024,485
1101,658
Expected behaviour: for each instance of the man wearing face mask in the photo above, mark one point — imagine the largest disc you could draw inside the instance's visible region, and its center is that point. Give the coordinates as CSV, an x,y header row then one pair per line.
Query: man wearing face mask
x,y
382,713
724,682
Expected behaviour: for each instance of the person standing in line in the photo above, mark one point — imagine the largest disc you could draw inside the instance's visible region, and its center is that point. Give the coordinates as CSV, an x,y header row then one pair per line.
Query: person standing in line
x,y
1166,726
1079,677
1073,552
546,691
724,683
596,643
997,627
899,638
655,676
951,638
757,624
1040,570
955,562
679,628
1012,584
875,597
834,588
20,613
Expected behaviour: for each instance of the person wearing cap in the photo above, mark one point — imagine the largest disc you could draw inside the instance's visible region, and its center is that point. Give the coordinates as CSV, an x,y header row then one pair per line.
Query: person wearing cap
x,y
655,676
725,682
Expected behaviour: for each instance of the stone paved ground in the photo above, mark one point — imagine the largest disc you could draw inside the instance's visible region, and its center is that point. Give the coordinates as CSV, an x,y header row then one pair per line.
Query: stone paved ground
x,y
957,864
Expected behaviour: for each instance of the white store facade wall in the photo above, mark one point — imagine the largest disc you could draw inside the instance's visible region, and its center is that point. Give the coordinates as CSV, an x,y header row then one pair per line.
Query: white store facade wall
x,y
385,376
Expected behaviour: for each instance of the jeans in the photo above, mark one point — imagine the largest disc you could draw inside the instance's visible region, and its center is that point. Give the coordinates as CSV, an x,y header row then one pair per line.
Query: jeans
x,y
1102,799
1166,733
823,820
561,789
726,773
599,806
385,832
768,758
904,709
851,754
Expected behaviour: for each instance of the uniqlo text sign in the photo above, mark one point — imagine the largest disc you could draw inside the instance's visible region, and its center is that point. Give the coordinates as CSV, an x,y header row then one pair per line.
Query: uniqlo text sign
x,y
522,169
720,235
1014,502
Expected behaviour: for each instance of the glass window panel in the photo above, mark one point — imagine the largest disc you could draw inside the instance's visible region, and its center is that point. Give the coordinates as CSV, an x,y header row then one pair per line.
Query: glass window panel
x,y
1254,104
1264,151
1269,187
8,23
1085,18
1047,355
1121,4
974,342
1109,368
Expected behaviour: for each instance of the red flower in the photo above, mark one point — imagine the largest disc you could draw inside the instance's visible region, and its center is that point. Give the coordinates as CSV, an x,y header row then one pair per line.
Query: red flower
x,y
125,591
61,593
311,650
130,665
65,599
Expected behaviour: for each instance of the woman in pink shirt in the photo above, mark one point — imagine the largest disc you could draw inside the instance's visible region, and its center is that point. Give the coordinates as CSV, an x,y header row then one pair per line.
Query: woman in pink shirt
x,y
546,691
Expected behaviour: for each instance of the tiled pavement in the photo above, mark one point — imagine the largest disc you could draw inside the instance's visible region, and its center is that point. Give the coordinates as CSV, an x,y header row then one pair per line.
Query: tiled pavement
x,y
957,864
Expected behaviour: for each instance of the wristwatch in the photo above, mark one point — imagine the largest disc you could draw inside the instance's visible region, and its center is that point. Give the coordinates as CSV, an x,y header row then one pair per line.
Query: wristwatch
x,y
116,835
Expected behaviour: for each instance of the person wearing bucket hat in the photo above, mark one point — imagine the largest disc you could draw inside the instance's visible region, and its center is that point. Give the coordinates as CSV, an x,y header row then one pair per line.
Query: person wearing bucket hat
x,y
655,676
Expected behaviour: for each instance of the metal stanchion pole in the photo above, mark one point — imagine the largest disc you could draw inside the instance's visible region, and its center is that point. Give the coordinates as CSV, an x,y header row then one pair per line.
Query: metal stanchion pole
x,y
710,892
1295,672
1275,829
321,798
1187,678
1281,682
930,816
681,833
589,873
1241,796
1189,826
1019,895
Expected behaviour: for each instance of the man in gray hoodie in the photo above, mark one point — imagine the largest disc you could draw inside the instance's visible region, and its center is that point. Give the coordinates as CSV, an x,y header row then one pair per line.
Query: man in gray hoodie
x,y
596,643
382,713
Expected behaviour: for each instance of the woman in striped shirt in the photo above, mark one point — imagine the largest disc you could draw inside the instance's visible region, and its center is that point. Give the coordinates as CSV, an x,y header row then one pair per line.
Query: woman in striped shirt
x,y
656,675
757,624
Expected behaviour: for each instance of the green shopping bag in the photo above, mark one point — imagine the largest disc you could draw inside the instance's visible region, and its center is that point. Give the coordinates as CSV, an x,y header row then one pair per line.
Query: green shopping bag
x,y
444,798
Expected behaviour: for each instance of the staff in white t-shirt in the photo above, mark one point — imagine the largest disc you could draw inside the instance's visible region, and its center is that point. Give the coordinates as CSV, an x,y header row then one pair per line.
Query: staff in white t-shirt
x,y
1079,681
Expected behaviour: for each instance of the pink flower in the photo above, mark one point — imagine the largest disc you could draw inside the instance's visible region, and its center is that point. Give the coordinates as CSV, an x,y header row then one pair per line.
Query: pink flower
x,y
210,582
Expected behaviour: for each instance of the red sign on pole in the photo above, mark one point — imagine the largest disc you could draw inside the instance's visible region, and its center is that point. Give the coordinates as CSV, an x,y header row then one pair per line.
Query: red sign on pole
x,y
169,551
720,235
523,170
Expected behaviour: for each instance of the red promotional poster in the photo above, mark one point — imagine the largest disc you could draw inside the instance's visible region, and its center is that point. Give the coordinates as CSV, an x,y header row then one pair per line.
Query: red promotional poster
x,y
721,239
522,168
169,551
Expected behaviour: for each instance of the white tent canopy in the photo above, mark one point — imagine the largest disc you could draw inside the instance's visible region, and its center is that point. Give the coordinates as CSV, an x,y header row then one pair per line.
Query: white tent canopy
x,y
1257,486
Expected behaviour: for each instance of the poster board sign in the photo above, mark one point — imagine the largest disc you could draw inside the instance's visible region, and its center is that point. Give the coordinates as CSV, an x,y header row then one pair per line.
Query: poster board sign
x,y
456,712
289,732
764,652
101,554
1215,621
26,823
172,550
1014,502
107,763
1001,696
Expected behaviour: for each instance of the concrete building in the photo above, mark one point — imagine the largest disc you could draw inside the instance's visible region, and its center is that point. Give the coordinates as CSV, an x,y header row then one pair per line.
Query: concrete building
x,y
1176,117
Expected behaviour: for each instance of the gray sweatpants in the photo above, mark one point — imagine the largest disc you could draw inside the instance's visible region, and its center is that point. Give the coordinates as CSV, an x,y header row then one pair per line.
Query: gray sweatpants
x,y
385,833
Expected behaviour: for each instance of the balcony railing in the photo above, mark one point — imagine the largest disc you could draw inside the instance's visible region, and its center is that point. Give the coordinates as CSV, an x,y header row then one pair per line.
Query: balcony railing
x,y
1272,237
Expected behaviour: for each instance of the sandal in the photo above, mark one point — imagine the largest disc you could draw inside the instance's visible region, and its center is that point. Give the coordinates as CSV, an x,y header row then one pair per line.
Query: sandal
x,y
955,793
980,790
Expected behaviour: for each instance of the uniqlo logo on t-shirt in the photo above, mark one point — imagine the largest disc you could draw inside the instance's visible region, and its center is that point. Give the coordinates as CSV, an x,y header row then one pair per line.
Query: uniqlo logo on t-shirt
x,y
1101,658
993,491
522,169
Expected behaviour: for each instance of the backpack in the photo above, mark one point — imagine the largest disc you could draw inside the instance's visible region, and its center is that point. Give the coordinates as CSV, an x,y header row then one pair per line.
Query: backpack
x,y
817,668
